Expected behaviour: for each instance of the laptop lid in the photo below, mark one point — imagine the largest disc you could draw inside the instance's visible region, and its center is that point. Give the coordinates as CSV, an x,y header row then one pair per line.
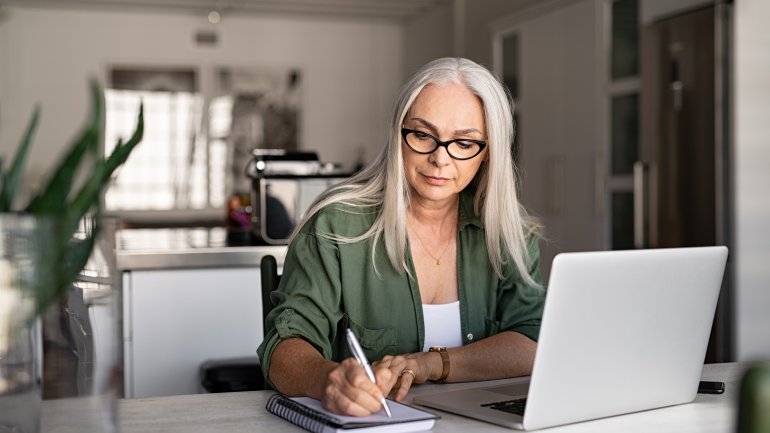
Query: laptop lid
x,y
622,331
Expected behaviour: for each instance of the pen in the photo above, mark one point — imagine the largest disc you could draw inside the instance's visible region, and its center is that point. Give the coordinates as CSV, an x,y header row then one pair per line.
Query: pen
x,y
358,352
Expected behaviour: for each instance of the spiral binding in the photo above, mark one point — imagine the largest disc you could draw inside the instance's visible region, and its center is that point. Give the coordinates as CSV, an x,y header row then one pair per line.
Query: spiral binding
x,y
299,414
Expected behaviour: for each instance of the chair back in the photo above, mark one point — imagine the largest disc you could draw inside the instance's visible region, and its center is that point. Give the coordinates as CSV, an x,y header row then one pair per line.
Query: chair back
x,y
243,374
268,269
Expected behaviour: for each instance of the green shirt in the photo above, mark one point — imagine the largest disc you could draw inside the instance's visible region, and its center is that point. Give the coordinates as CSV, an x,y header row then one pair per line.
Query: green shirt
x,y
329,286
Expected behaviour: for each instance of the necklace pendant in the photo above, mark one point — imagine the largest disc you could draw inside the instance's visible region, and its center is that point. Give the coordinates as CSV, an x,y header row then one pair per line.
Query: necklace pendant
x,y
438,262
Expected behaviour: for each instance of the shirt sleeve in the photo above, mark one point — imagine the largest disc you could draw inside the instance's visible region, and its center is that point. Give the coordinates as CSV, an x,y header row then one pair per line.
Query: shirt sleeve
x,y
306,303
520,305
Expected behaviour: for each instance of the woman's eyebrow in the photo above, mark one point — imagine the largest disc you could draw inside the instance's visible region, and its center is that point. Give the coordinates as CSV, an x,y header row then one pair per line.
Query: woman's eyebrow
x,y
424,123
457,132
468,131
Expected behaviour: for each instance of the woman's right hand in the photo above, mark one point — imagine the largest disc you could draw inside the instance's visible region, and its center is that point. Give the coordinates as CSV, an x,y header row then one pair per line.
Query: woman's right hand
x,y
349,391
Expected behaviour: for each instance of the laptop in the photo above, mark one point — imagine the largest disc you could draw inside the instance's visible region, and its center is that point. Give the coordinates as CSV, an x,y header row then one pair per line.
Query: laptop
x,y
622,331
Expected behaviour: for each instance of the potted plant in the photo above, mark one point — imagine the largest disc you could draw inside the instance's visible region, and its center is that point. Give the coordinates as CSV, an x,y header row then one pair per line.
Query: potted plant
x,y
754,400
43,249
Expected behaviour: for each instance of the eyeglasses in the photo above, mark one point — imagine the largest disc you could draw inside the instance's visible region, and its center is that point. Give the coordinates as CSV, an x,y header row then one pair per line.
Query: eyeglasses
x,y
424,143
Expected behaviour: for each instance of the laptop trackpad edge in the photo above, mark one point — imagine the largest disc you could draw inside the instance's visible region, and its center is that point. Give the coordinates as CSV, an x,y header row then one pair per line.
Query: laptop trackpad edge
x,y
513,390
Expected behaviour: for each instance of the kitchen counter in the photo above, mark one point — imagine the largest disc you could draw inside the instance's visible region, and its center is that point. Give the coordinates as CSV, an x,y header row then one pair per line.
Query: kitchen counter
x,y
186,248
187,298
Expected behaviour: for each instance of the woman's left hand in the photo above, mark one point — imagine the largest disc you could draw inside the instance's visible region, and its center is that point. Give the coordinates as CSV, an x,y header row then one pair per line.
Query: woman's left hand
x,y
409,369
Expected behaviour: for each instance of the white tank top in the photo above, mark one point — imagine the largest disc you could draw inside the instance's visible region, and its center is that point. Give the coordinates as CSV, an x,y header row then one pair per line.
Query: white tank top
x,y
442,325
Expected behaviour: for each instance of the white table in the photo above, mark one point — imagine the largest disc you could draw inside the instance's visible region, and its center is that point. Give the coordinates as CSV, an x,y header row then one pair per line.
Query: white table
x,y
245,412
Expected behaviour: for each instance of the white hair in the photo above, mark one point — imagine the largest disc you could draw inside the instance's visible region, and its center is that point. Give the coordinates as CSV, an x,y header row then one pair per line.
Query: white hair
x,y
382,184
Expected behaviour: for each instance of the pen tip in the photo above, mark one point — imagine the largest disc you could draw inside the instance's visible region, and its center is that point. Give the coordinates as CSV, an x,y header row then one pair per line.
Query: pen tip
x,y
387,409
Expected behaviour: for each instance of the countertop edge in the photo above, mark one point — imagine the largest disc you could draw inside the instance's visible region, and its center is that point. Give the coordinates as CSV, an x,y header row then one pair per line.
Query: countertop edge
x,y
194,258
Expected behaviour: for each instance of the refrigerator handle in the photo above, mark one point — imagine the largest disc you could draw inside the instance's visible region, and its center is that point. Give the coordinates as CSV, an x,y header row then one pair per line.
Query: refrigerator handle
x,y
676,84
641,172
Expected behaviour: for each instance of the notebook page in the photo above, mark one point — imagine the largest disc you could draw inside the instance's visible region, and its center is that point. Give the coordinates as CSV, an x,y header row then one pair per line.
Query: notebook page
x,y
400,412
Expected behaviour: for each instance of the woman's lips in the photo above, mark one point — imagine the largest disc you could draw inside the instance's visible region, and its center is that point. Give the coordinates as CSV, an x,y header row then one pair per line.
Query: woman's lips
x,y
438,181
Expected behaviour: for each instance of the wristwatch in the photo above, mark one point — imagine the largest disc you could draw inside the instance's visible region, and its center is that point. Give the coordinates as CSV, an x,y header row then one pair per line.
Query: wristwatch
x,y
444,361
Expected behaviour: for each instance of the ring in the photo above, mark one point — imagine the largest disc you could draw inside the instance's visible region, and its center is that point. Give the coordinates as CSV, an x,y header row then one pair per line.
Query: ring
x,y
410,371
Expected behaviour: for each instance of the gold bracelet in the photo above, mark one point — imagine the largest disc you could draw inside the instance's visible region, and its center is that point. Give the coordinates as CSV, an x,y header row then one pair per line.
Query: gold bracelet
x,y
444,361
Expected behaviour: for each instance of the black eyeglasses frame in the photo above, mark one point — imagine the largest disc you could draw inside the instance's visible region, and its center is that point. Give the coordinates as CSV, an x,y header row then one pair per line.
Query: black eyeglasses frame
x,y
444,144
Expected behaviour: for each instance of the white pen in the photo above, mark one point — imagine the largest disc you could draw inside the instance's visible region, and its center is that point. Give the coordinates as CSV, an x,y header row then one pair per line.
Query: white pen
x,y
358,352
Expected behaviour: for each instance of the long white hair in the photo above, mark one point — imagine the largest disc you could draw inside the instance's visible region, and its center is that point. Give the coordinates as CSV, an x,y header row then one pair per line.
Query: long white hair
x,y
382,184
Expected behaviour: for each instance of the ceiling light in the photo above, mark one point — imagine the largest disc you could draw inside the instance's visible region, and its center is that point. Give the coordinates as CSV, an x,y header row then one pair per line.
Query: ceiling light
x,y
214,17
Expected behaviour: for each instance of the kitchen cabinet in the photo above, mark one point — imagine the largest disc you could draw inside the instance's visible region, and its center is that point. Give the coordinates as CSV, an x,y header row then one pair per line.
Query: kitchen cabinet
x,y
552,58
176,319
187,298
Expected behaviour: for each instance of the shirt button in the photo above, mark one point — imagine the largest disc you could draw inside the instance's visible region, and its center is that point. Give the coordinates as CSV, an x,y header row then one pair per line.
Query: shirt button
x,y
469,337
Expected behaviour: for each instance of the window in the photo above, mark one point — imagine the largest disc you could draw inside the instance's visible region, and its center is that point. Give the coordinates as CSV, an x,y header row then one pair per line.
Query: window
x,y
623,95
197,141
625,39
167,170
174,167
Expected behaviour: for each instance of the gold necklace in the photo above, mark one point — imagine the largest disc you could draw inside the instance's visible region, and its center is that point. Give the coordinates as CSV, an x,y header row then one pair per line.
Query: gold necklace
x,y
427,250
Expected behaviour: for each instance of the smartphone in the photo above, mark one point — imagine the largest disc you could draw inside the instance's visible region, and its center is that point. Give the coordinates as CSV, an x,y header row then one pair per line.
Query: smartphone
x,y
708,387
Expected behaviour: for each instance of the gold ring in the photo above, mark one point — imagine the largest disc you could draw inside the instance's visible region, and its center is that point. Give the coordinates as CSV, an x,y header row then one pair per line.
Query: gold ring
x,y
410,371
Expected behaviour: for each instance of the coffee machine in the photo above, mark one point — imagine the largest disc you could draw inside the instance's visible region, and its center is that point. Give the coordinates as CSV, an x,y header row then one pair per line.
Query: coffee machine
x,y
284,185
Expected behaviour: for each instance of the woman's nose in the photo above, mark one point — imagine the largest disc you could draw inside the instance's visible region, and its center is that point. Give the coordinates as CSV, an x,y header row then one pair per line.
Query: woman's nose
x,y
440,157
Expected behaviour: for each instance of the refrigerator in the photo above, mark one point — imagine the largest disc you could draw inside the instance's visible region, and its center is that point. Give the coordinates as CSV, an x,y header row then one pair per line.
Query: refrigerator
x,y
682,180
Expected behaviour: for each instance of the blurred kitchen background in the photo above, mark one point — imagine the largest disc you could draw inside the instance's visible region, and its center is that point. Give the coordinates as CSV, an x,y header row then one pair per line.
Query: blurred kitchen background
x,y
640,123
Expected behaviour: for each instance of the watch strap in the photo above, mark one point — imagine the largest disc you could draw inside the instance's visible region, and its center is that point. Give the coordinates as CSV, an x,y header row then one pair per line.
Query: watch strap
x,y
444,361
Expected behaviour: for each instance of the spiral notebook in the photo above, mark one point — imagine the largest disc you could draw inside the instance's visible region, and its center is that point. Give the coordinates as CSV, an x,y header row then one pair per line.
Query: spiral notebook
x,y
309,414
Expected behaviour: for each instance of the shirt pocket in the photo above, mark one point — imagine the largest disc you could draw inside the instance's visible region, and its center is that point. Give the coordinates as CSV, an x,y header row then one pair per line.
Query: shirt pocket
x,y
375,341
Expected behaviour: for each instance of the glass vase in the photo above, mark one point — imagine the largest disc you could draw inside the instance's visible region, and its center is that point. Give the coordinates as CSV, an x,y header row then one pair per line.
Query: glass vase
x,y
20,332
64,357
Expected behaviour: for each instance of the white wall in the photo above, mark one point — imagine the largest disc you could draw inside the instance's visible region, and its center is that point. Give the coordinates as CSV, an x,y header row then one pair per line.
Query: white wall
x,y
351,69
752,178
478,16
10,118
428,36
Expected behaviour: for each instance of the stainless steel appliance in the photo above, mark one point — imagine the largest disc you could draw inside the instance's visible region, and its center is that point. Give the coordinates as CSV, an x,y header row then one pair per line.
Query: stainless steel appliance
x,y
284,185
682,181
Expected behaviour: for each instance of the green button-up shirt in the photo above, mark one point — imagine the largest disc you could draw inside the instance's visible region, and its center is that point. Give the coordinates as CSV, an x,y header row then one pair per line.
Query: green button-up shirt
x,y
329,286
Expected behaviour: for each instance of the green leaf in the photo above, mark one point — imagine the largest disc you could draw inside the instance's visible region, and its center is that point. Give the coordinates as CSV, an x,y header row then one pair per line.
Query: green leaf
x,y
53,198
72,255
89,194
87,197
11,179
120,153
63,257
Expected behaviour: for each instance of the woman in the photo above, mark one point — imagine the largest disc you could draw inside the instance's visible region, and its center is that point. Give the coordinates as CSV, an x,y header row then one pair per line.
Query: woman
x,y
426,247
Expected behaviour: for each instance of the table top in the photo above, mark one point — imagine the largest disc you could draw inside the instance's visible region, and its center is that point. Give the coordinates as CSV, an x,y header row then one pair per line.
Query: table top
x,y
245,412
